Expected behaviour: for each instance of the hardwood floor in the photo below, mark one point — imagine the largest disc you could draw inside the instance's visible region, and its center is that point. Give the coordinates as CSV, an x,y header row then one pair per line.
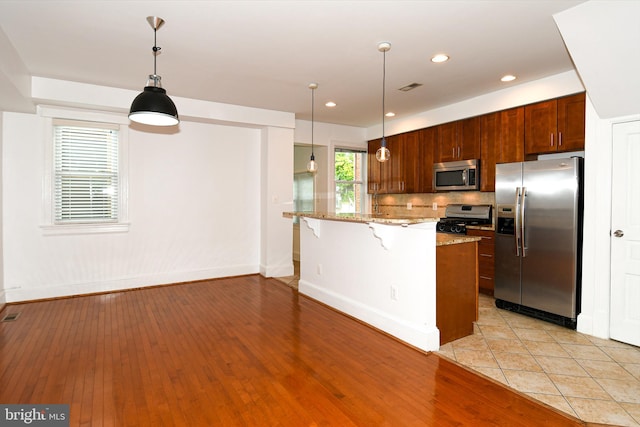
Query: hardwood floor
x,y
244,351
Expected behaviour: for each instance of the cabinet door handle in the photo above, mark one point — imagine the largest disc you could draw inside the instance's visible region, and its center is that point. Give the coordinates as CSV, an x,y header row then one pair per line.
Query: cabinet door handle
x,y
453,152
559,139
552,139
458,151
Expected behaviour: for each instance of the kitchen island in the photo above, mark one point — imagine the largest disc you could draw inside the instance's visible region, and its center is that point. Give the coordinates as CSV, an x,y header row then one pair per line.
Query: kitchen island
x,y
377,269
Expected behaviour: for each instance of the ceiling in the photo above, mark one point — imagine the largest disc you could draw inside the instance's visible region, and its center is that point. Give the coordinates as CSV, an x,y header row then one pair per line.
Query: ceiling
x,y
265,53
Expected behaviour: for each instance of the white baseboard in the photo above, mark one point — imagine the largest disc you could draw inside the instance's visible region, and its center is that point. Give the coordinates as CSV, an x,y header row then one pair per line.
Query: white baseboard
x,y
417,335
71,289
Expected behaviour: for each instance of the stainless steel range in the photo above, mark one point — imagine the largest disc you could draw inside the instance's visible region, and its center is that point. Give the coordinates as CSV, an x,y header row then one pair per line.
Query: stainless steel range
x,y
457,217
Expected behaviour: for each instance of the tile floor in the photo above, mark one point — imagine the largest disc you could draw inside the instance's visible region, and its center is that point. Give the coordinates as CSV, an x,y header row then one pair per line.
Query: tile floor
x,y
593,379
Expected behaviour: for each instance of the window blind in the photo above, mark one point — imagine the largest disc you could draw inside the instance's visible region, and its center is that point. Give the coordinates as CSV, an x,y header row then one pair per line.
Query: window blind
x,y
86,173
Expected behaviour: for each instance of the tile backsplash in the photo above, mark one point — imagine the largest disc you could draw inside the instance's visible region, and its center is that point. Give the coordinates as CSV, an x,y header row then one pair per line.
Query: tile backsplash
x,y
422,203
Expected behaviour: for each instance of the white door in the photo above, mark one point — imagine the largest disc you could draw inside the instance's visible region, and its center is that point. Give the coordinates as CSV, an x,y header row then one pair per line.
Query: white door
x,y
625,234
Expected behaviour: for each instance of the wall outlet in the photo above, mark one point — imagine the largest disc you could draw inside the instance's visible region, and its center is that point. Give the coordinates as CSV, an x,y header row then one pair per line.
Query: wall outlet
x,y
409,205
434,206
394,293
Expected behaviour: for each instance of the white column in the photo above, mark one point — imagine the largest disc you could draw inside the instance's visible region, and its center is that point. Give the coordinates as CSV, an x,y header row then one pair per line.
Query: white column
x,y
276,253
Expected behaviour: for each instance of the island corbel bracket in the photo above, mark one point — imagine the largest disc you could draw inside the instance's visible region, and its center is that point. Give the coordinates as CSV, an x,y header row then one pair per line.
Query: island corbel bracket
x,y
383,233
313,224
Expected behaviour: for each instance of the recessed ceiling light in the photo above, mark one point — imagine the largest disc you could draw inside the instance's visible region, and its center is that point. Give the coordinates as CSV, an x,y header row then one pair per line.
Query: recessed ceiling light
x,y
390,114
441,57
330,104
508,78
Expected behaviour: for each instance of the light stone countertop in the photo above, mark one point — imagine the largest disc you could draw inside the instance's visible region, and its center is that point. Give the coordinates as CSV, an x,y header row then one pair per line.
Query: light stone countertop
x,y
487,227
363,218
443,239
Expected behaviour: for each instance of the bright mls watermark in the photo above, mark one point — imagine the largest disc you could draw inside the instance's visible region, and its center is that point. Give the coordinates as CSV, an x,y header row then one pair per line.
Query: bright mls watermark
x,y
34,415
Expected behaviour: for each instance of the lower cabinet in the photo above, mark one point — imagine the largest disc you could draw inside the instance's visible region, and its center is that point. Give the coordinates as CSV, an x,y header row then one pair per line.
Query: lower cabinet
x,y
456,290
486,259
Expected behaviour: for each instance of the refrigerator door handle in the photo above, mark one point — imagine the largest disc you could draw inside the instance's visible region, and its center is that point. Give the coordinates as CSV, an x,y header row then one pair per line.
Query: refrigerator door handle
x,y
523,198
517,225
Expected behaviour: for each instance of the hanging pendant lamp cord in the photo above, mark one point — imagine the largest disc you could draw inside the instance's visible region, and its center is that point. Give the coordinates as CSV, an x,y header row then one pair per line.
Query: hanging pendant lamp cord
x,y
384,71
312,117
155,49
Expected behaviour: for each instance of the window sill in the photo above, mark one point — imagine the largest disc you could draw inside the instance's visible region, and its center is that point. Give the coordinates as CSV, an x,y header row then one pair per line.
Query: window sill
x,y
68,229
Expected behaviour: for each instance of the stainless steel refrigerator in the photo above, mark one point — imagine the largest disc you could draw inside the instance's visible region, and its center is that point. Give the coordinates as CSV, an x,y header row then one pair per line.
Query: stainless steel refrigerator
x,y
538,252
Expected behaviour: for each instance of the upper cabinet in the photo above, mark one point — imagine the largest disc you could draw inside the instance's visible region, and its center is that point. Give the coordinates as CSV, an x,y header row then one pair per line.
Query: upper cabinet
x,y
386,177
510,147
374,174
393,169
459,140
501,141
512,135
489,146
555,125
427,138
410,167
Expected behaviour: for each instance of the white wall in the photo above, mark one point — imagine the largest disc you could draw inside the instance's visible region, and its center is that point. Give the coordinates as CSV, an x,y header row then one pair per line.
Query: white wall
x,y
353,267
194,203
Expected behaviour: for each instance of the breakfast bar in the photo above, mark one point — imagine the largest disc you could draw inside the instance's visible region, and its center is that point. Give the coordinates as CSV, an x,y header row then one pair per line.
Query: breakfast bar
x,y
377,269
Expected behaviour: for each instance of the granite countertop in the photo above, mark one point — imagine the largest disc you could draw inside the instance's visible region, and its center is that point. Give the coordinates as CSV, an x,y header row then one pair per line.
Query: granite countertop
x,y
443,239
488,227
363,218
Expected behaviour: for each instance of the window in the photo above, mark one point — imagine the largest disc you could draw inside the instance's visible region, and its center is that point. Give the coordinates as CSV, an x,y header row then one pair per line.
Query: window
x,y
349,167
86,172
85,185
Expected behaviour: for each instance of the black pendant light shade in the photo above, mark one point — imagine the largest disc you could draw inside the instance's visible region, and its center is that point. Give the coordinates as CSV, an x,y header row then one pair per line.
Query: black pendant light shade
x,y
153,106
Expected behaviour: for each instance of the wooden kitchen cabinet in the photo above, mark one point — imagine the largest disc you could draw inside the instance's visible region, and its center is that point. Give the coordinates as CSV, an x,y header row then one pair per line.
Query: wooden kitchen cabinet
x,y
428,138
459,140
456,290
417,165
501,141
486,260
489,145
511,142
374,173
392,170
556,125
410,167
386,177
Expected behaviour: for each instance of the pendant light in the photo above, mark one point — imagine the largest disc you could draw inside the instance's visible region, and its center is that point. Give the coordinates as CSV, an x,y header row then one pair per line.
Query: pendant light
x,y
153,106
383,153
312,166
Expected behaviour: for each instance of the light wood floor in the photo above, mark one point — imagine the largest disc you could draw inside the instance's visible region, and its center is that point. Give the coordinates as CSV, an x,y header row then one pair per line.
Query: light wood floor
x,y
245,351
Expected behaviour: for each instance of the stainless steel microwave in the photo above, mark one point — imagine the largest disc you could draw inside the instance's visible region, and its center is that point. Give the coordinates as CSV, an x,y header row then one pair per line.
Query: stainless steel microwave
x,y
456,176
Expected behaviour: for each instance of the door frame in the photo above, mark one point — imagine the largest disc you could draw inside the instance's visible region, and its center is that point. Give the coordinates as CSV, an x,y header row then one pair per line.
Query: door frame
x,y
594,318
